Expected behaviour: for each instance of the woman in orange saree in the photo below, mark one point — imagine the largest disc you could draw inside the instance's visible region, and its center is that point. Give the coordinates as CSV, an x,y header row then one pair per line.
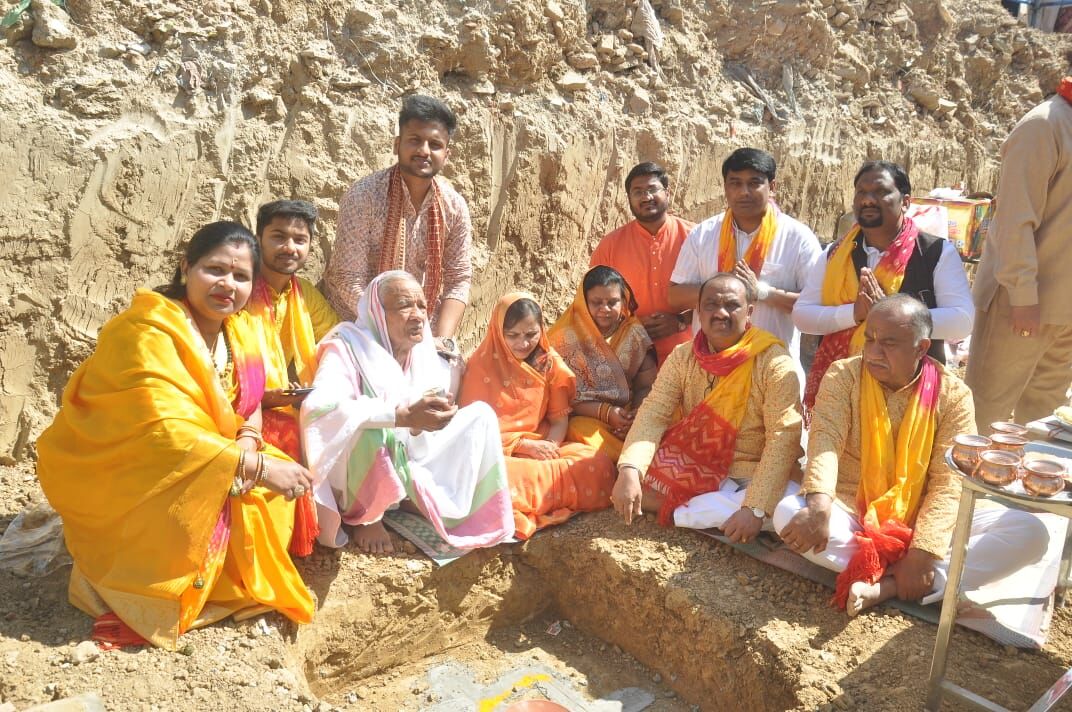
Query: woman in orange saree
x,y
525,381
610,352
174,512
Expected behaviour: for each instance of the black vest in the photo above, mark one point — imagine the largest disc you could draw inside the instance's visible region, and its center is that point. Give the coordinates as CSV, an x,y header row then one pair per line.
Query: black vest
x,y
918,278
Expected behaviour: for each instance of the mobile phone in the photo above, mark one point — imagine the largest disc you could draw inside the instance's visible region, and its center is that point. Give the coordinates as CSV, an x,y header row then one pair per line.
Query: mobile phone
x,y
297,391
436,393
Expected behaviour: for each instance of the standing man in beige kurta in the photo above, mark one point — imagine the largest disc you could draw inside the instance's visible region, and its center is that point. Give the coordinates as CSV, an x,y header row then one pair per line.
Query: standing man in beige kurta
x,y
727,462
407,217
1021,351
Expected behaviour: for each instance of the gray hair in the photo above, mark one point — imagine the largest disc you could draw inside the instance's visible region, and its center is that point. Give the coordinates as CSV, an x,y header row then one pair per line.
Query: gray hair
x,y
917,313
390,278
750,294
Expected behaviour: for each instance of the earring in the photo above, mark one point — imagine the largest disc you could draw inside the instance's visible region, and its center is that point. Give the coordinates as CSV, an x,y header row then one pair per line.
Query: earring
x,y
182,280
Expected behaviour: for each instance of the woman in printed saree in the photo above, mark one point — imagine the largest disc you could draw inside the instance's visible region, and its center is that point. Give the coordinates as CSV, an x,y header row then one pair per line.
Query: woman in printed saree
x,y
173,513
517,372
381,427
610,352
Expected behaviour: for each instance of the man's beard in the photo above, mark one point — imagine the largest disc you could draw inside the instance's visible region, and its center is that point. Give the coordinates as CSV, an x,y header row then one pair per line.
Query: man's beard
x,y
870,222
658,214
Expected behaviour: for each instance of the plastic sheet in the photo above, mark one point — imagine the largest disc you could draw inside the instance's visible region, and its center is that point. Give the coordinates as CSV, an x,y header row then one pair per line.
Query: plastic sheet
x,y
32,545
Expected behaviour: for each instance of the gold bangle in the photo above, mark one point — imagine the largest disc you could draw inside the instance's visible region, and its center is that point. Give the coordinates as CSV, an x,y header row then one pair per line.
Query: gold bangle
x,y
262,469
240,473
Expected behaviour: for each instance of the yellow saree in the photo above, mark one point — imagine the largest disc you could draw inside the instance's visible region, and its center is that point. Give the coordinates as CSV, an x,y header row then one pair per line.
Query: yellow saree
x,y
139,462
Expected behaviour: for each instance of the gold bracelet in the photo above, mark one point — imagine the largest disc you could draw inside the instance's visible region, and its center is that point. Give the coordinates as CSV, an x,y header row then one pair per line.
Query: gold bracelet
x,y
262,469
240,473
248,431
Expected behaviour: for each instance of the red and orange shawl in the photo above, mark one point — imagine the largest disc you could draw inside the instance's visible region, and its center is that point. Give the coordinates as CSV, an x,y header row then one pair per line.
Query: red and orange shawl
x,y
892,476
841,285
695,454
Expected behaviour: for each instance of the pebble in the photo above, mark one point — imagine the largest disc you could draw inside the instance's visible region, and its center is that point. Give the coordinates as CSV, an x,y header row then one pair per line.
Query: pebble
x,y
85,652
656,678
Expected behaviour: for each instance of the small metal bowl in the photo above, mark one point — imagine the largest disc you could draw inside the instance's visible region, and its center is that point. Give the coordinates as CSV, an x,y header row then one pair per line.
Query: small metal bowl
x,y
1043,478
1010,443
1008,428
997,467
966,451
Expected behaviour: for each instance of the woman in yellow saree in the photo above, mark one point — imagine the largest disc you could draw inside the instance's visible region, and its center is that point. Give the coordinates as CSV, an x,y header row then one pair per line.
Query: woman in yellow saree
x,y
174,512
610,352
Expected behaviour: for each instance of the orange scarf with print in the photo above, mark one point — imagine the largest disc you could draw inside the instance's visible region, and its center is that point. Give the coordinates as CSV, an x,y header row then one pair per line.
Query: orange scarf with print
x,y
892,476
757,251
695,455
601,372
393,247
841,285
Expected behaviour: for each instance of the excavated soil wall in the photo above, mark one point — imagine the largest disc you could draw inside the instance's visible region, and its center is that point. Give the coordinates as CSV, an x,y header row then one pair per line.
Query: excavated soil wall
x,y
126,125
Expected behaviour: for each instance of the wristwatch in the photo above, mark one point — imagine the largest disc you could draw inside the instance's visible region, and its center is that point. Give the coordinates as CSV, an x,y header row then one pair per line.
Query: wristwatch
x,y
763,290
757,512
449,345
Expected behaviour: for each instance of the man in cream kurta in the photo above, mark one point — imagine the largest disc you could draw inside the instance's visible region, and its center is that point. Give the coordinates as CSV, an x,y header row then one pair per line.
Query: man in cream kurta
x,y
822,521
767,446
1021,351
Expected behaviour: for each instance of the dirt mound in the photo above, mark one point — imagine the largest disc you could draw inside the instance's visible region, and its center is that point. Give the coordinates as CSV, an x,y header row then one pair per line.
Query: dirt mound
x,y
164,115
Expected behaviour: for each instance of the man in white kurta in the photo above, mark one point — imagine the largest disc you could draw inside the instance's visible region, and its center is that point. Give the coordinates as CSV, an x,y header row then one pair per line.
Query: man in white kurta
x,y
749,181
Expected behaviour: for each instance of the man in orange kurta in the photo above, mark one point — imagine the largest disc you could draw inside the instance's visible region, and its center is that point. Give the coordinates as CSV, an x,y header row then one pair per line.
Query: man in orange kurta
x,y
645,251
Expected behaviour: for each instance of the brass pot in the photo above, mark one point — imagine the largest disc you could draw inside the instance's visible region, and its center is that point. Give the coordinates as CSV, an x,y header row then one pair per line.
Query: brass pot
x,y
966,451
1010,443
1043,478
997,467
1008,428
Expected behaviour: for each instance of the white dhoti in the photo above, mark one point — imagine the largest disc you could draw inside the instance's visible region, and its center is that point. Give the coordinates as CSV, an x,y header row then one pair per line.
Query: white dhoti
x,y
1002,542
712,509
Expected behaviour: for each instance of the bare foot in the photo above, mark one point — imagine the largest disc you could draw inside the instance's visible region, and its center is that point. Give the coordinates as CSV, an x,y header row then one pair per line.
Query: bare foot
x,y
864,595
861,595
373,539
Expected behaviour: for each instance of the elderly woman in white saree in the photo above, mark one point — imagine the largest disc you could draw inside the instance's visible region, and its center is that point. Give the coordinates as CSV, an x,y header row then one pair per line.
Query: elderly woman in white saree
x,y
381,427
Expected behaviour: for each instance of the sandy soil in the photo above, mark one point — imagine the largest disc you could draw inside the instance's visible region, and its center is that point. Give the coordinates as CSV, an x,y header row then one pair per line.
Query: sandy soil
x,y
665,610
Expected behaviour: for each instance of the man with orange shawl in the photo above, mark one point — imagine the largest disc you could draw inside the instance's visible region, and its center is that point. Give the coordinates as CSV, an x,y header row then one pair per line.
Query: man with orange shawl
x,y
293,314
408,217
753,239
878,502
727,463
530,388
884,253
175,514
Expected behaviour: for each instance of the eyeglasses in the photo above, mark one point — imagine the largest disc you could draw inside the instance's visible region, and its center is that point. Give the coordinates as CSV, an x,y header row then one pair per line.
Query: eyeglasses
x,y
645,192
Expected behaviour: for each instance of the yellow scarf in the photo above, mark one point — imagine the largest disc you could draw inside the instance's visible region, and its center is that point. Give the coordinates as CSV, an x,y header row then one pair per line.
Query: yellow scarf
x,y
892,477
841,285
291,333
756,253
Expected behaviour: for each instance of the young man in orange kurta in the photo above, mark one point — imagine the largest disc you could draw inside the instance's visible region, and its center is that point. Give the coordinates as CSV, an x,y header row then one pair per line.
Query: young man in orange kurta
x,y
645,251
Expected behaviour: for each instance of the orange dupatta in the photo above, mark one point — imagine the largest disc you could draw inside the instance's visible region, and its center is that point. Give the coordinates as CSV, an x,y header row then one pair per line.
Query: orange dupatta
x,y
892,476
695,455
602,374
841,285
515,390
756,253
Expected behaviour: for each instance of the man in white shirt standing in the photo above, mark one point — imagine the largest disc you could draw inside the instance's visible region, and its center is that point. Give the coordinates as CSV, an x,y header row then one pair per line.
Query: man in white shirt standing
x,y
882,254
754,240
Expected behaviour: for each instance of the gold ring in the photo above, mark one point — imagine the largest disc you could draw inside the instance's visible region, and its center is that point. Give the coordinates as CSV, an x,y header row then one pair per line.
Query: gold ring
x,y
1025,332
290,493
299,491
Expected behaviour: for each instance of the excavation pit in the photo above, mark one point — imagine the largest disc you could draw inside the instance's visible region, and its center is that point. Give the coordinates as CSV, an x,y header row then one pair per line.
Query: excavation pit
x,y
692,622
